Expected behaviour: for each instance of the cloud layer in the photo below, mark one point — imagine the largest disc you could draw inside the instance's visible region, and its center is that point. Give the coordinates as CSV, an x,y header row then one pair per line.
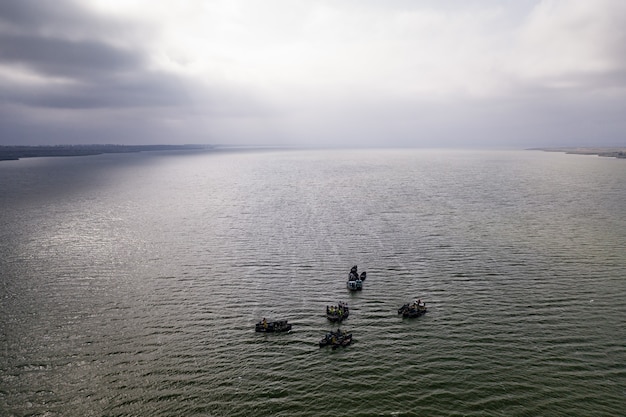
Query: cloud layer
x,y
325,73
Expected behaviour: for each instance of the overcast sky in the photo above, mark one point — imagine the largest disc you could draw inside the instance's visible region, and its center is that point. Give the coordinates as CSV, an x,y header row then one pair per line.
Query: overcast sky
x,y
293,72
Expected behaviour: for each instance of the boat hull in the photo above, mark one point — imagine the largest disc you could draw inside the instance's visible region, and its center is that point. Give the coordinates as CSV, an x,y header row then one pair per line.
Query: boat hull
x,y
336,340
272,327
355,285
412,310
337,313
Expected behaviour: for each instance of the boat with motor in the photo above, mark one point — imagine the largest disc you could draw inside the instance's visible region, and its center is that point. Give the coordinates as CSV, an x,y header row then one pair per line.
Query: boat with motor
x,y
336,339
337,313
413,309
265,326
355,281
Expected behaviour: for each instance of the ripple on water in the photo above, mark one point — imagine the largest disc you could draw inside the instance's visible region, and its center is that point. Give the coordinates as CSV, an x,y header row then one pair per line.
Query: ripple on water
x,y
139,297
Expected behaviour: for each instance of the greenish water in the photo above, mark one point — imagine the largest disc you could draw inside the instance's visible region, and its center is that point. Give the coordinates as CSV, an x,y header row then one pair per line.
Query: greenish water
x,y
131,284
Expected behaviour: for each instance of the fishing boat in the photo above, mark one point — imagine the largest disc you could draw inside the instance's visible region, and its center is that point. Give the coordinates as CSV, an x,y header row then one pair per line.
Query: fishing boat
x,y
355,285
337,313
413,309
355,281
265,326
336,339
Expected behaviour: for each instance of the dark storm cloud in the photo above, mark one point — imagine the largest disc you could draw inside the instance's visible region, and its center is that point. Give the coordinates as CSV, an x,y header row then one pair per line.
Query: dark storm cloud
x,y
63,44
33,13
64,19
82,60
92,74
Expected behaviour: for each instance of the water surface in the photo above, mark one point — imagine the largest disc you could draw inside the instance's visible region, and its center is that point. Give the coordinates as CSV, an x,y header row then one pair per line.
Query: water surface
x,y
131,283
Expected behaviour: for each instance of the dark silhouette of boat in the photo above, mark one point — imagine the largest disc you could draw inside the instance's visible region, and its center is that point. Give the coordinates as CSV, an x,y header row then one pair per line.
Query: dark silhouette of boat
x,y
337,313
413,309
355,281
265,326
336,339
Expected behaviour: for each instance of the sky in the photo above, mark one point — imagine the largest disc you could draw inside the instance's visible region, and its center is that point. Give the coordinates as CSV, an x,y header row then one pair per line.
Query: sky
x,y
438,73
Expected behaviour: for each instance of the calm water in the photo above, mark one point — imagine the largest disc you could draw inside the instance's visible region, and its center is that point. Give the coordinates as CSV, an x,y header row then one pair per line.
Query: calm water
x,y
130,284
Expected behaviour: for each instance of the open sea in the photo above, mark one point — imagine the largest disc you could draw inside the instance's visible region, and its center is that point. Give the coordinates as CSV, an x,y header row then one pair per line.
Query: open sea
x,y
130,284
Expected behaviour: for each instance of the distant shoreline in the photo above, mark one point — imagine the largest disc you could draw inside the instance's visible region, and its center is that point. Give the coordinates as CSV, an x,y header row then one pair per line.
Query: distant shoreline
x,y
607,152
17,152
14,153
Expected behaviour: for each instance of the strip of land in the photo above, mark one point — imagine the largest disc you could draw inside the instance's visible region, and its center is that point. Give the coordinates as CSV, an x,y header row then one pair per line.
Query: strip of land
x,y
608,152
12,153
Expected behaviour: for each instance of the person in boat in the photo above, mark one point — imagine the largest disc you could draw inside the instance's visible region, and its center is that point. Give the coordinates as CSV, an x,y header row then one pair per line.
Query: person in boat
x,y
264,323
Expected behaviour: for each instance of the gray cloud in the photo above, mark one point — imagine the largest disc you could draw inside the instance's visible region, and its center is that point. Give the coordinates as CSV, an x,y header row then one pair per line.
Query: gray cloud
x,y
369,73
62,43
80,60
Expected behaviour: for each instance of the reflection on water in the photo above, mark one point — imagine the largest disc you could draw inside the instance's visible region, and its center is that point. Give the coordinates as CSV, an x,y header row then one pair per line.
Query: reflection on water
x,y
131,283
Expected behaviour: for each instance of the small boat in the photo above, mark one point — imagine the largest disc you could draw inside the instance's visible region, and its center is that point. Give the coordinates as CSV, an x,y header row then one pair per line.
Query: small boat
x,y
413,309
355,285
355,281
337,313
265,326
336,339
